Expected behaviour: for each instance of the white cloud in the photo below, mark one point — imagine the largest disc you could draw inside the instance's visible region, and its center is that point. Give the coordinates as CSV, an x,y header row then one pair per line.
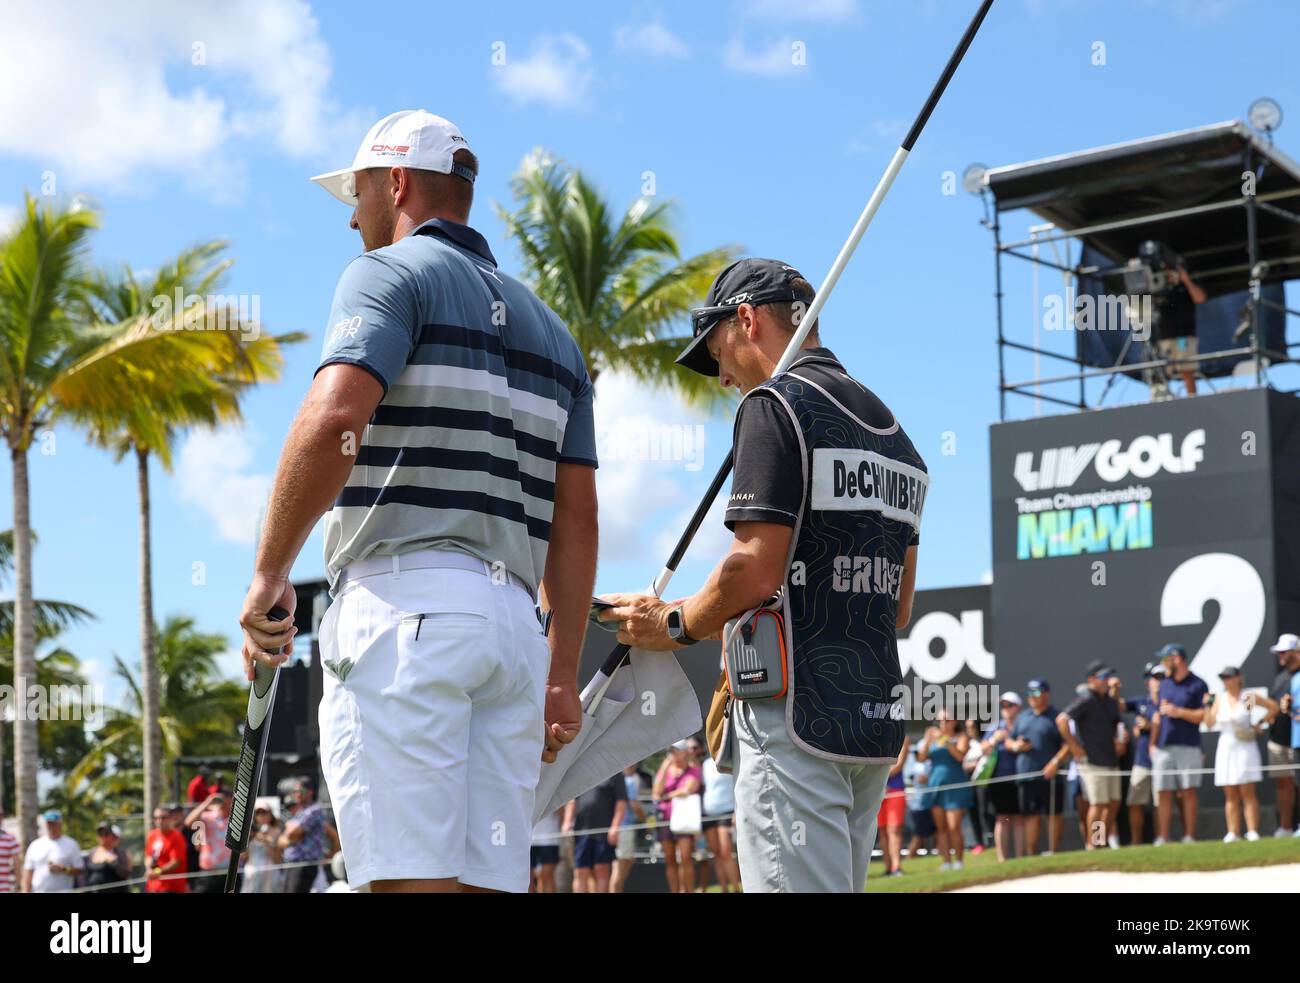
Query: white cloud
x,y
112,93
816,10
230,664
630,492
557,73
650,38
95,672
712,540
652,450
776,58
9,216
213,475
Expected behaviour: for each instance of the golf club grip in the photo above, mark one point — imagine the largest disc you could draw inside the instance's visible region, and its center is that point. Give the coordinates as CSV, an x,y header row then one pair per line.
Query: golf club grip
x,y
252,755
615,658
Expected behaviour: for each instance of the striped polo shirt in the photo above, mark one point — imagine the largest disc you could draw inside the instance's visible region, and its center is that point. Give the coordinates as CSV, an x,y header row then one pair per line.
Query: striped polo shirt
x,y
485,391
9,849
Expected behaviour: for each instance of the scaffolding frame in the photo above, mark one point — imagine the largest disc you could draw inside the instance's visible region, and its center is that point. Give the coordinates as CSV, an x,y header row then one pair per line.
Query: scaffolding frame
x,y
1040,235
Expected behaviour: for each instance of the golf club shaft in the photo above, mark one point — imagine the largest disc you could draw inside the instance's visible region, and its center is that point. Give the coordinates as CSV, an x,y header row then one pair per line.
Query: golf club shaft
x,y
252,757
620,651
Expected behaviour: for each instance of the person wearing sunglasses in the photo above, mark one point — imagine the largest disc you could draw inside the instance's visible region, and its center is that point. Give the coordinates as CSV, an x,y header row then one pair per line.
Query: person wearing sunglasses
x,y
825,510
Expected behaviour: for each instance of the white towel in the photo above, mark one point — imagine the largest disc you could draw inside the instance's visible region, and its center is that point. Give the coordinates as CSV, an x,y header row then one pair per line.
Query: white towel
x,y
649,704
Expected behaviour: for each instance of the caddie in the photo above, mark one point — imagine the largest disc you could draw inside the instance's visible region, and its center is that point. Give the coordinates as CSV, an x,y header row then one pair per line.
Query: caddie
x,y
448,435
825,509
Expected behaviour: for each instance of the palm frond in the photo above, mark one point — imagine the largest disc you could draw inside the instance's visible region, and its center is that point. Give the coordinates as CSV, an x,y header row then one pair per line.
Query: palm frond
x,y
42,270
618,282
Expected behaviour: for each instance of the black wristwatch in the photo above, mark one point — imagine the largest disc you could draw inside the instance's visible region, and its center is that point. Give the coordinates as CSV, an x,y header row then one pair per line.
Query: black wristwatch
x,y
677,626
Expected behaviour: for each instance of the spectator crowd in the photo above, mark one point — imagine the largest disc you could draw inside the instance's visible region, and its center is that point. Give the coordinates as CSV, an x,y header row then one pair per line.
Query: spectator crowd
x,y
185,849
1008,787
1128,767
682,816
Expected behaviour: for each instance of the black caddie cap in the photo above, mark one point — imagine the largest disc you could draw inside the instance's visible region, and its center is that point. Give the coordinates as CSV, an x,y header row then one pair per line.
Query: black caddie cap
x,y
1229,672
1097,668
746,281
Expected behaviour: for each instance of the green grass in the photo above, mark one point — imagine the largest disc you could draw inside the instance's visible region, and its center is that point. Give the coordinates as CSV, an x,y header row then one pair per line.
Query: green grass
x,y
922,874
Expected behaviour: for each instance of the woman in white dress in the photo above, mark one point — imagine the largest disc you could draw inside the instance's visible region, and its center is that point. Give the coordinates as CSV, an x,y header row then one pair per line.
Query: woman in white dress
x,y
1236,762
261,873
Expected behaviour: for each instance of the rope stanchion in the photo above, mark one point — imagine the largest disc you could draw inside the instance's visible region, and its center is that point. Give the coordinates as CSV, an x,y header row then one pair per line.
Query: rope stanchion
x,y
655,825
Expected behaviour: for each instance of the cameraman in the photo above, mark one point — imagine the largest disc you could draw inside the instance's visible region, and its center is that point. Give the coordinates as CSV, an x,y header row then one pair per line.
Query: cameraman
x,y
1175,334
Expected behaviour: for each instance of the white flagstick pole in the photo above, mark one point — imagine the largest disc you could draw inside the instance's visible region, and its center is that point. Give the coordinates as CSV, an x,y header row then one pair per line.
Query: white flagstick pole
x,y
660,583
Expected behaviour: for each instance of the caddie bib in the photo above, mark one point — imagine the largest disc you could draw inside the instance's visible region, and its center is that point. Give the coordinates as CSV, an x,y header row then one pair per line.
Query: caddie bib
x,y
864,491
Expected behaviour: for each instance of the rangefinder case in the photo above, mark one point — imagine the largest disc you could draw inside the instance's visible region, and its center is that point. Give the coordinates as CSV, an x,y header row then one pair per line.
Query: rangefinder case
x,y
754,655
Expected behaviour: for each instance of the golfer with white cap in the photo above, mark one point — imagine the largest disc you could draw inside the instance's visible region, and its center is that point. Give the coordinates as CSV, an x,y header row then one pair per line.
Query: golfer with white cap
x,y
448,439
825,506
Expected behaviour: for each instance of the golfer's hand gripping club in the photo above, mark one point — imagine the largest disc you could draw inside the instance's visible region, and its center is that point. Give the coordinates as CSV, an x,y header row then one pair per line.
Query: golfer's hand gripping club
x,y
252,757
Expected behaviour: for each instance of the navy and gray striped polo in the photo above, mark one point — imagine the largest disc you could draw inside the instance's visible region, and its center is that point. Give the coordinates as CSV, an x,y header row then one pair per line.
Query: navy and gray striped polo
x,y
485,391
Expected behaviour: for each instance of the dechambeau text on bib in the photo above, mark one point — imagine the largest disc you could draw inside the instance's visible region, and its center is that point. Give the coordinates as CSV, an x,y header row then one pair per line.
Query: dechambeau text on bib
x,y
864,481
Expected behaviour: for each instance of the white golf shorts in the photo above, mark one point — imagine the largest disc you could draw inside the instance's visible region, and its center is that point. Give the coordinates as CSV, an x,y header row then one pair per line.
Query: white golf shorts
x,y
431,722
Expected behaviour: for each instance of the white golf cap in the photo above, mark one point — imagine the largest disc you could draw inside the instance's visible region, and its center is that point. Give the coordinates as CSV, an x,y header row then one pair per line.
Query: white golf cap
x,y
1009,696
408,138
1286,643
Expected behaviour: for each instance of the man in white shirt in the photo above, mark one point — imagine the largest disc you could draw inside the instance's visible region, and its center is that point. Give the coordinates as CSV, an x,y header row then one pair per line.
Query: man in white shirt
x,y
52,860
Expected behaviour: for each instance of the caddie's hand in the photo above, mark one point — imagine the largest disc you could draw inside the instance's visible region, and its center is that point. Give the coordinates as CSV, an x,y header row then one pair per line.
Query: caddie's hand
x,y
563,716
261,634
643,621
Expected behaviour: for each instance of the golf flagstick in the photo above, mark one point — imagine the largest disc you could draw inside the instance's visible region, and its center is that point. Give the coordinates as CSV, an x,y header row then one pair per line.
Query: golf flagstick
x,y
252,756
596,689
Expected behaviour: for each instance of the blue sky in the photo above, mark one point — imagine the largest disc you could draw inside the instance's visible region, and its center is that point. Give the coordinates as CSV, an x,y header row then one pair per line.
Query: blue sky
x,y
189,122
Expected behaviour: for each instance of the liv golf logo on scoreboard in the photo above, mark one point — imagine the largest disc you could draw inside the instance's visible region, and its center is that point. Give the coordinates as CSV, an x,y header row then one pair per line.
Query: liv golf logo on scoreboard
x,y
1117,531
1115,516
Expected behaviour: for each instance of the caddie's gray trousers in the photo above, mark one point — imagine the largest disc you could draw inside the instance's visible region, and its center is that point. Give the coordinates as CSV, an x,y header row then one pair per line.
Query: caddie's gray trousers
x,y
803,823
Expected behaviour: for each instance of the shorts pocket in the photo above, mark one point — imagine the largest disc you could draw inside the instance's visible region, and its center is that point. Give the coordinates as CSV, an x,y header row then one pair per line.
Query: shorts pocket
x,y
444,653
417,624
332,663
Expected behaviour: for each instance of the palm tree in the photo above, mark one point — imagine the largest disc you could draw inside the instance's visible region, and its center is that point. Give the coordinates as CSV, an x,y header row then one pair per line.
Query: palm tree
x,y
40,273
208,370
57,668
55,361
618,282
51,617
62,737
198,713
